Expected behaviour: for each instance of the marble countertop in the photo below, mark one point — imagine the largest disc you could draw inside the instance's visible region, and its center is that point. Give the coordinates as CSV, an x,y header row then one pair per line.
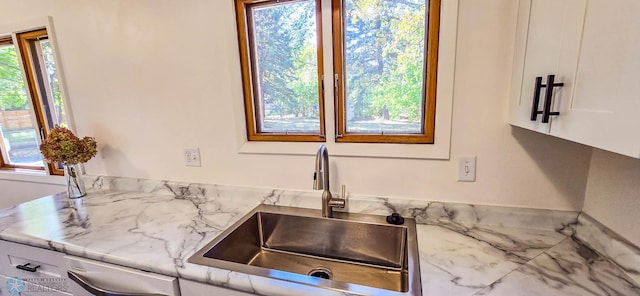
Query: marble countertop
x,y
157,230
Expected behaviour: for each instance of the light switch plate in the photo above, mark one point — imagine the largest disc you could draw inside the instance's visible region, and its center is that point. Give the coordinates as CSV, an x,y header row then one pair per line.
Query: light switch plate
x,y
467,169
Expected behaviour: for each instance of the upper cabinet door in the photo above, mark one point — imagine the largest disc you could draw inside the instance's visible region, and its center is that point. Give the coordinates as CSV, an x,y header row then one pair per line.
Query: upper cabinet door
x,y
604,111
547,43
592,47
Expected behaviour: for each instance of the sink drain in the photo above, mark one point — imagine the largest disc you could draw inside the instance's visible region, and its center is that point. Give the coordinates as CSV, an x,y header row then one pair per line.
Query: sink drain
x,y
321,272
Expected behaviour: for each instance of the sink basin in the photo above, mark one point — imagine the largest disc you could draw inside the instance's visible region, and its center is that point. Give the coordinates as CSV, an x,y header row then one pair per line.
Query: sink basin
x,y
353,253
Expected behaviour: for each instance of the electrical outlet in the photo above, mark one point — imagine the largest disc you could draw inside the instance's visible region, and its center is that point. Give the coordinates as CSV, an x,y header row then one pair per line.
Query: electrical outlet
x,y
467,169
192,157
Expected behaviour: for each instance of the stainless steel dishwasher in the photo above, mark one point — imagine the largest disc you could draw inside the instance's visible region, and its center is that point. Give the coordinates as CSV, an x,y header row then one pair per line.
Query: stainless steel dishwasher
x,y
89,277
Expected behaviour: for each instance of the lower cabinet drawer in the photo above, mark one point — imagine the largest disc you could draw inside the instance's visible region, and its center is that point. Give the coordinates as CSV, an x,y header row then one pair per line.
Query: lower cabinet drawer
x,y
31,264
11,286
88,277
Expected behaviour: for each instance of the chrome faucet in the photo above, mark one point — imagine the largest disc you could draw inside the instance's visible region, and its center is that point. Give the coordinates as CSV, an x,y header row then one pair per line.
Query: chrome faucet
x,y
321,181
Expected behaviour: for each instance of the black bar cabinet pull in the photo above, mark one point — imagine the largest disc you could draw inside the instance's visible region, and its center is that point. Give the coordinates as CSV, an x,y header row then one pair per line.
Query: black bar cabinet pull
x,y
546,113
536,99
28,267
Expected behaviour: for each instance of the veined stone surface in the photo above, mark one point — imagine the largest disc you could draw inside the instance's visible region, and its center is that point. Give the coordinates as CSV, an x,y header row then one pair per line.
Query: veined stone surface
x,y
464,249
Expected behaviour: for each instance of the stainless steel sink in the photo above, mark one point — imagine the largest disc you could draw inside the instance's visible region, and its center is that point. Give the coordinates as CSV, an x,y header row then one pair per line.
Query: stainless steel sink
x,y
354,253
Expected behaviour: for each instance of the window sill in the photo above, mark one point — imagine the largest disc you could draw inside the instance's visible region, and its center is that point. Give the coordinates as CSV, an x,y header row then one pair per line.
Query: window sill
x,y
416,151
31,176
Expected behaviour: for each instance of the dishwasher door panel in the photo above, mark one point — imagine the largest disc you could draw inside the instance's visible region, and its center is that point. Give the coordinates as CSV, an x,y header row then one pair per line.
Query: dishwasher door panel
x,y
89,277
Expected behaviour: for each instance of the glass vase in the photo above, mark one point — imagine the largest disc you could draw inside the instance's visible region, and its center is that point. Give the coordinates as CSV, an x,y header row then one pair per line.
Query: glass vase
x,y
73,178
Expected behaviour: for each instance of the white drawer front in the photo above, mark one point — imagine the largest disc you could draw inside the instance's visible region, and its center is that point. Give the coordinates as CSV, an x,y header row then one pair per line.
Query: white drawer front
x,y
51,264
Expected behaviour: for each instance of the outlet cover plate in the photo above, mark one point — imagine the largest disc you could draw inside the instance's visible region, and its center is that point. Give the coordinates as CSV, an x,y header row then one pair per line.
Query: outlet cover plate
x,y
192,157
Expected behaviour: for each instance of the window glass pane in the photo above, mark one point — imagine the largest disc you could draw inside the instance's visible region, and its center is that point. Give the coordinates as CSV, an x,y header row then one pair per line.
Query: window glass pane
x,y
384,66
55,104
19,134
286,67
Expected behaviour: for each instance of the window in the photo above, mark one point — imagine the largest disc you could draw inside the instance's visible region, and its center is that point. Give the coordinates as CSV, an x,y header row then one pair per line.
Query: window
x,y
281,52
385,60
28,108
385,55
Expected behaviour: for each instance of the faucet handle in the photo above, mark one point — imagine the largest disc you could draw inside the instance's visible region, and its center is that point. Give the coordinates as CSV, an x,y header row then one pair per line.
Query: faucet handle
x,y
342,201
335,202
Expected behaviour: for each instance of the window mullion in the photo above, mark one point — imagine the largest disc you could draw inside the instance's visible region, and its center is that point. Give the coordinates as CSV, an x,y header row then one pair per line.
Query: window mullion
x,y
338,52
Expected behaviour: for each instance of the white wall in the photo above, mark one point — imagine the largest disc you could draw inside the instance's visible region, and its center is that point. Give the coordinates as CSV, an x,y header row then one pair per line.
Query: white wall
x,y
150,77
613,193
14,192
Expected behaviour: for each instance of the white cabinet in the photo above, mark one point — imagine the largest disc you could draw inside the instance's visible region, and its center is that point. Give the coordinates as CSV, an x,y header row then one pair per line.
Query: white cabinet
x,y
547,42
592,48
31,271
36,271
191,288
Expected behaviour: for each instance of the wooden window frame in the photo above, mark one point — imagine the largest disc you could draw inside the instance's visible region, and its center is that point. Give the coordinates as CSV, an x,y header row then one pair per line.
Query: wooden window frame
x,y
8,41
429,82
247,61
24,40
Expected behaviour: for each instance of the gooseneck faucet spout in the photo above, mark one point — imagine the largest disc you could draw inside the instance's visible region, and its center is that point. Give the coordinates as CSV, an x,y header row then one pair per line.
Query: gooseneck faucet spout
x,y
321,182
